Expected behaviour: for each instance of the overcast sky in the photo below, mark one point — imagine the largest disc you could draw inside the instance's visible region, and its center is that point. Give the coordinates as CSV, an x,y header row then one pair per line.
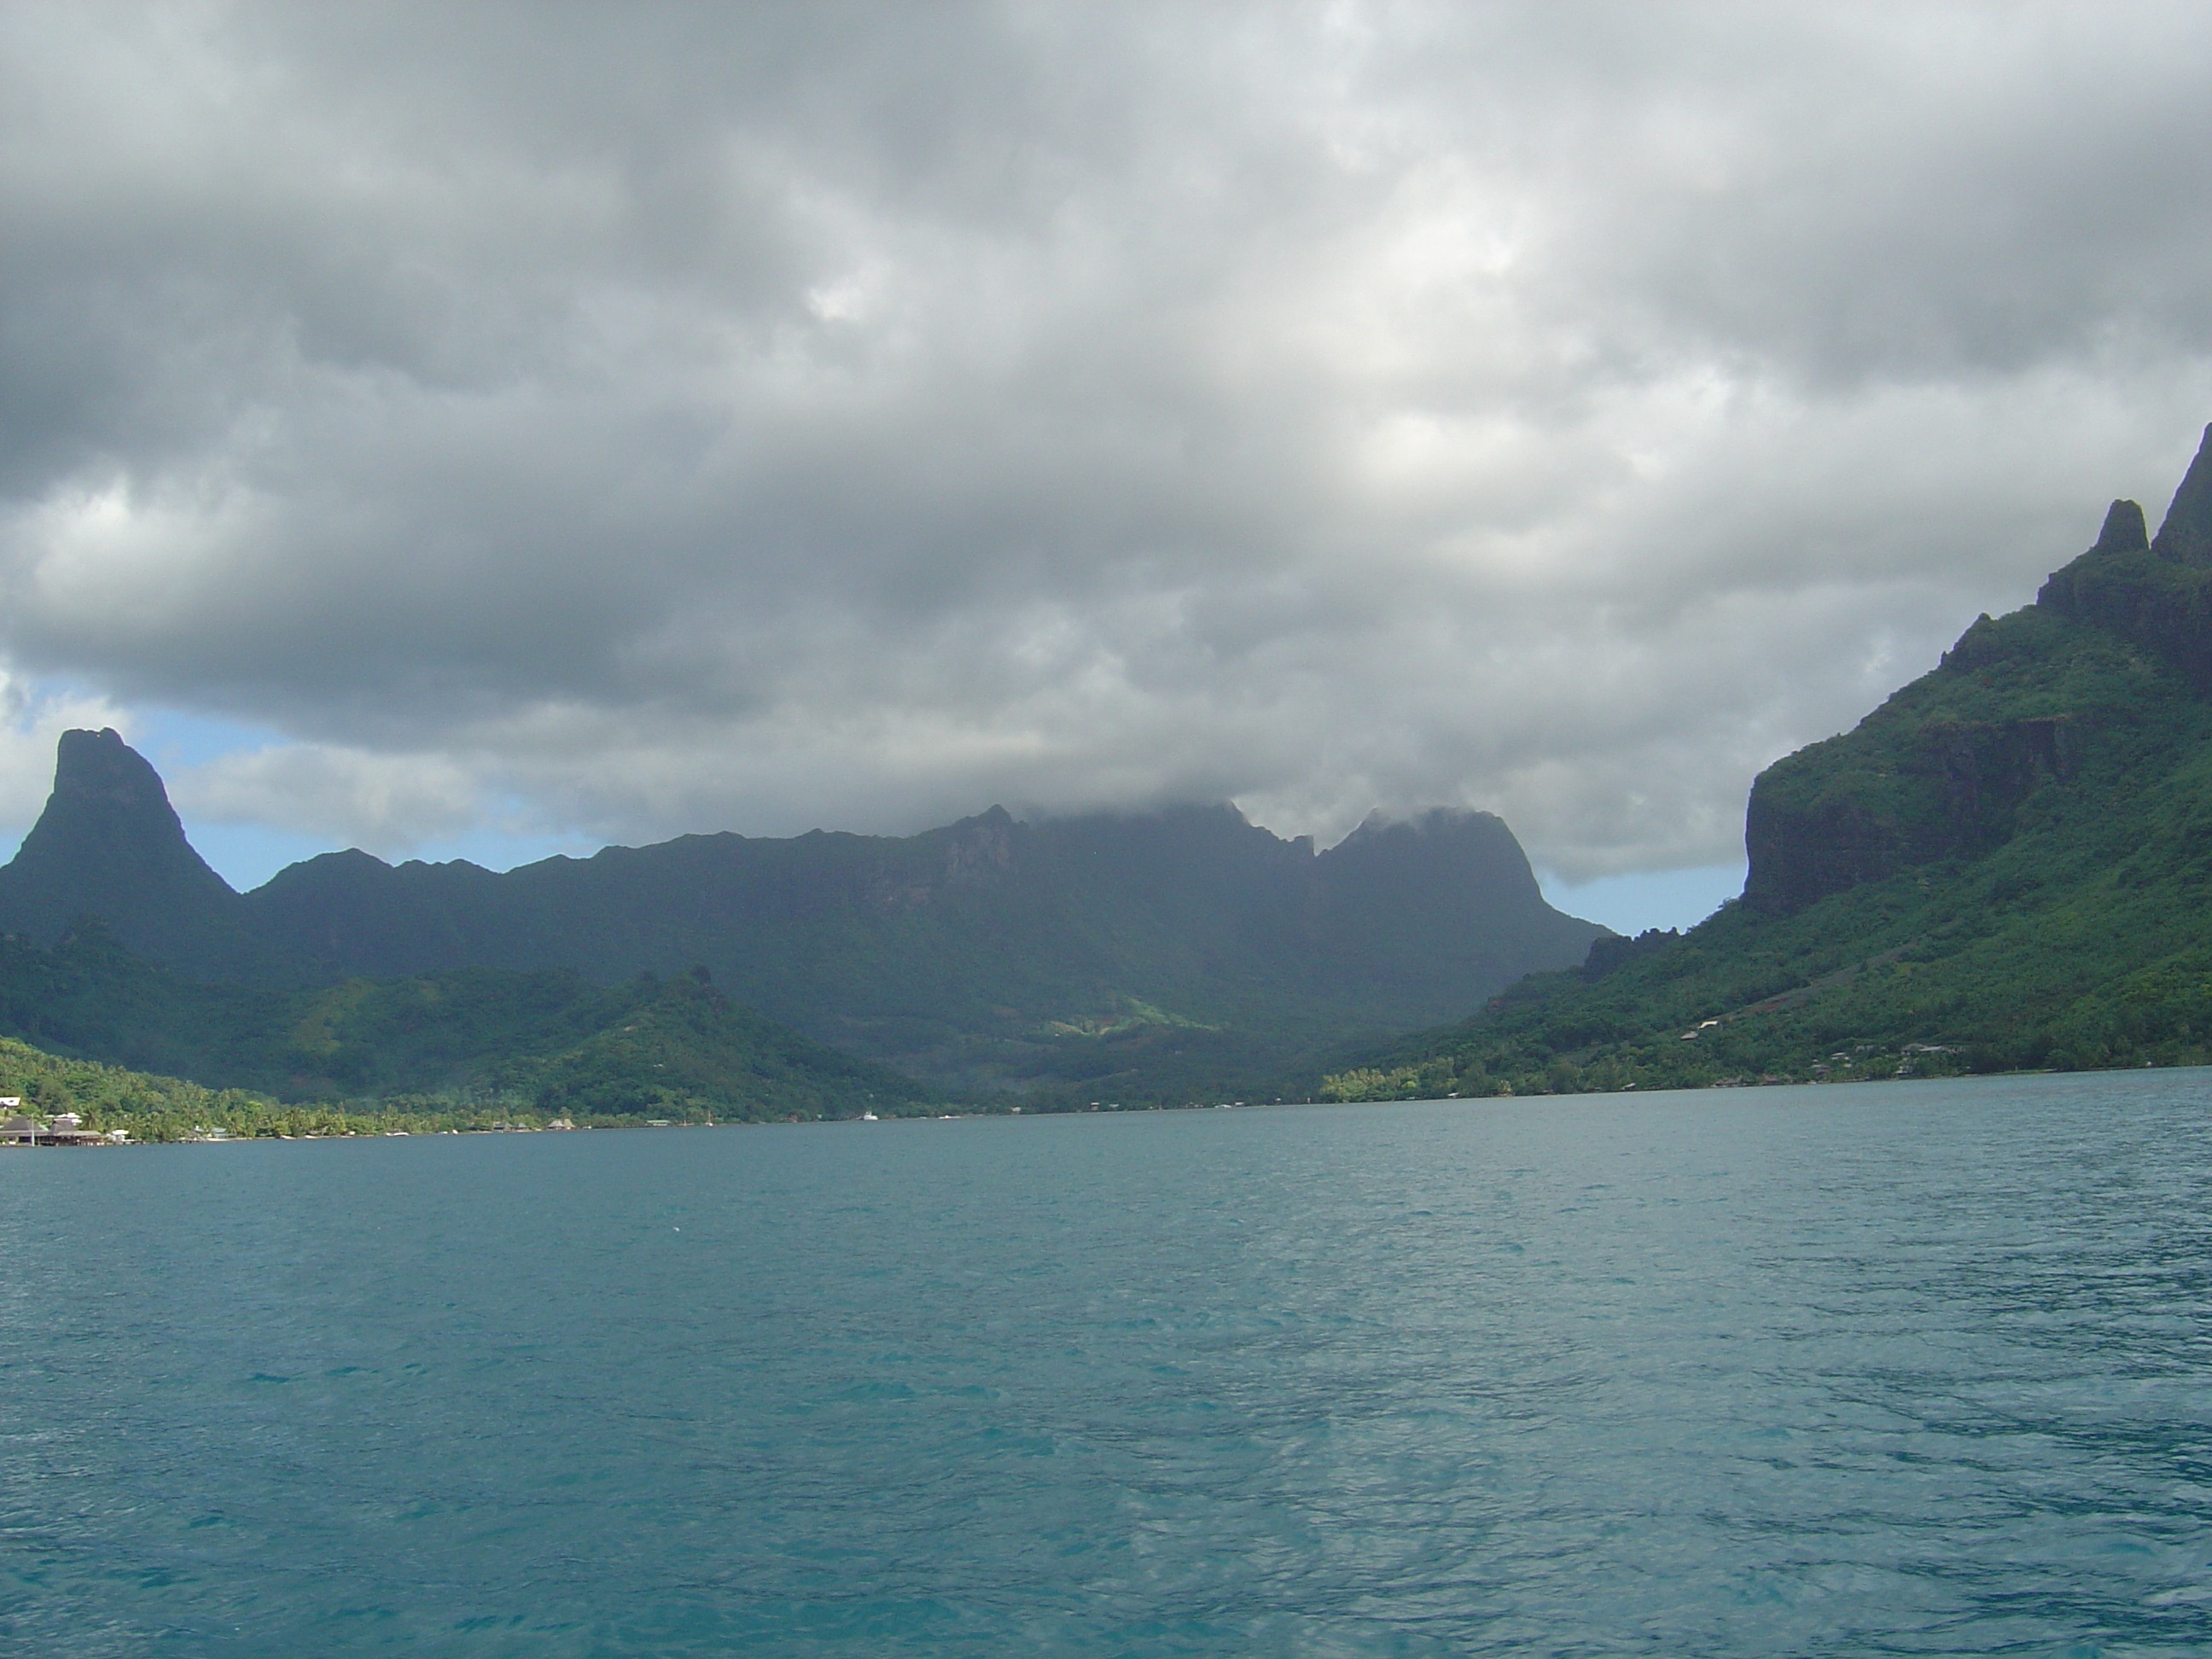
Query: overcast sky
x,y
496,427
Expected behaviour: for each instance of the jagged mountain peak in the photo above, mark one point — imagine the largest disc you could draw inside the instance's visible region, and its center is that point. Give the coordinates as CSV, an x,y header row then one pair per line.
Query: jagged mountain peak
x,y
108,823
1951,785
2158,595
98,767
2124,531
2002,866
2187,535
109,845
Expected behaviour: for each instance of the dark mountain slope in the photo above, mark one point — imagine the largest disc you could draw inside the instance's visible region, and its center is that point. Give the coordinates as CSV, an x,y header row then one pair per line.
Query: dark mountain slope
x,y
109,844
1161,949
2009,864
1158,954
551,1041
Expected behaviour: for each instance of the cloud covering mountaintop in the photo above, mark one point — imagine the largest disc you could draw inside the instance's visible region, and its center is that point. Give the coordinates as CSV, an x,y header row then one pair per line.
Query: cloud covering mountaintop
x,y
618,421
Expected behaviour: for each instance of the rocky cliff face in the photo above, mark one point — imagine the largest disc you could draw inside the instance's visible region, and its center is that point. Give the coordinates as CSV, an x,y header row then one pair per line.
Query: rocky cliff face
x,y
1952,788
2155,592
110,845
1945,769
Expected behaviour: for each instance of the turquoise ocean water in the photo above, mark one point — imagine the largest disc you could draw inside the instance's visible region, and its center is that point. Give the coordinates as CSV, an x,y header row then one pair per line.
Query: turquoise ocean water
x,y
1904,1369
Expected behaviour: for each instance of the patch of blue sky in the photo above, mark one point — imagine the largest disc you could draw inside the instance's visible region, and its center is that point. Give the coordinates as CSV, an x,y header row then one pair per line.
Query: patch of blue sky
x,y
1659,898
173,739
245,854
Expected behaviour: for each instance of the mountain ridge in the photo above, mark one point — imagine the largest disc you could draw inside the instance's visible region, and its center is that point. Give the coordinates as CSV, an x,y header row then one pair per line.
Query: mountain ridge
x,y
1170,951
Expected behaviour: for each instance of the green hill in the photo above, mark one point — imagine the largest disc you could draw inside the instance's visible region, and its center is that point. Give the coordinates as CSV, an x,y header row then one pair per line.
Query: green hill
x,y
549,1042
148,1108
2008,865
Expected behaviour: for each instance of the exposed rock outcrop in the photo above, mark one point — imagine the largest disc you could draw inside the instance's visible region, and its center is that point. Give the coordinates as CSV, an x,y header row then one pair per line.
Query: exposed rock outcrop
x,y
1954,793
109,845
1912,785
1609,956
2156,593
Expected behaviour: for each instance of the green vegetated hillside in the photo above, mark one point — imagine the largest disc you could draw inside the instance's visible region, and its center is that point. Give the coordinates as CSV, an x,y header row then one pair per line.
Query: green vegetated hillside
x,y
550,1043
149,1107
1149,957
2007,866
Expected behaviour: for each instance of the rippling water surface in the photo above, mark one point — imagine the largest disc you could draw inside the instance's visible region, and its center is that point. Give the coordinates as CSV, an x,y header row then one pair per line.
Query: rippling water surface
x,y
1909,1369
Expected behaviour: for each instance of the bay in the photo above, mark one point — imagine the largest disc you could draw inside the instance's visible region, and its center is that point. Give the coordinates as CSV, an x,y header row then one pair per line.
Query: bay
x,y
1897,1369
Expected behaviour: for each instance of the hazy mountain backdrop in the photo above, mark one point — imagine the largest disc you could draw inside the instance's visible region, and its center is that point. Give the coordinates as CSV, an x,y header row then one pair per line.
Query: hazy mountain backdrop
x,y
1177,950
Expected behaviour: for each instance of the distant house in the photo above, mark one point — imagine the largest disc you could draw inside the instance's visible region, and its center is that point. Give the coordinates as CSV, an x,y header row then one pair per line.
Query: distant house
x,y
66,1130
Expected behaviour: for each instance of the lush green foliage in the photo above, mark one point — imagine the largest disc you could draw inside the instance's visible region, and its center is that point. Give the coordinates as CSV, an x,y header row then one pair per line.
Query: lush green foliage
x,y
484,1042
149,1107
2016,915
108,1096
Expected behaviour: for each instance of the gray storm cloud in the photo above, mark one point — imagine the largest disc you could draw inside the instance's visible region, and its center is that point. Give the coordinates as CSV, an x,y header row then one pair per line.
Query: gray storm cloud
x,y
759,417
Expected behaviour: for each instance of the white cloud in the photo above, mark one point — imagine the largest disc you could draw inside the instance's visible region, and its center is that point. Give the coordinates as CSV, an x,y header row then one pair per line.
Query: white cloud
x,y
32,720
385,804
660,420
